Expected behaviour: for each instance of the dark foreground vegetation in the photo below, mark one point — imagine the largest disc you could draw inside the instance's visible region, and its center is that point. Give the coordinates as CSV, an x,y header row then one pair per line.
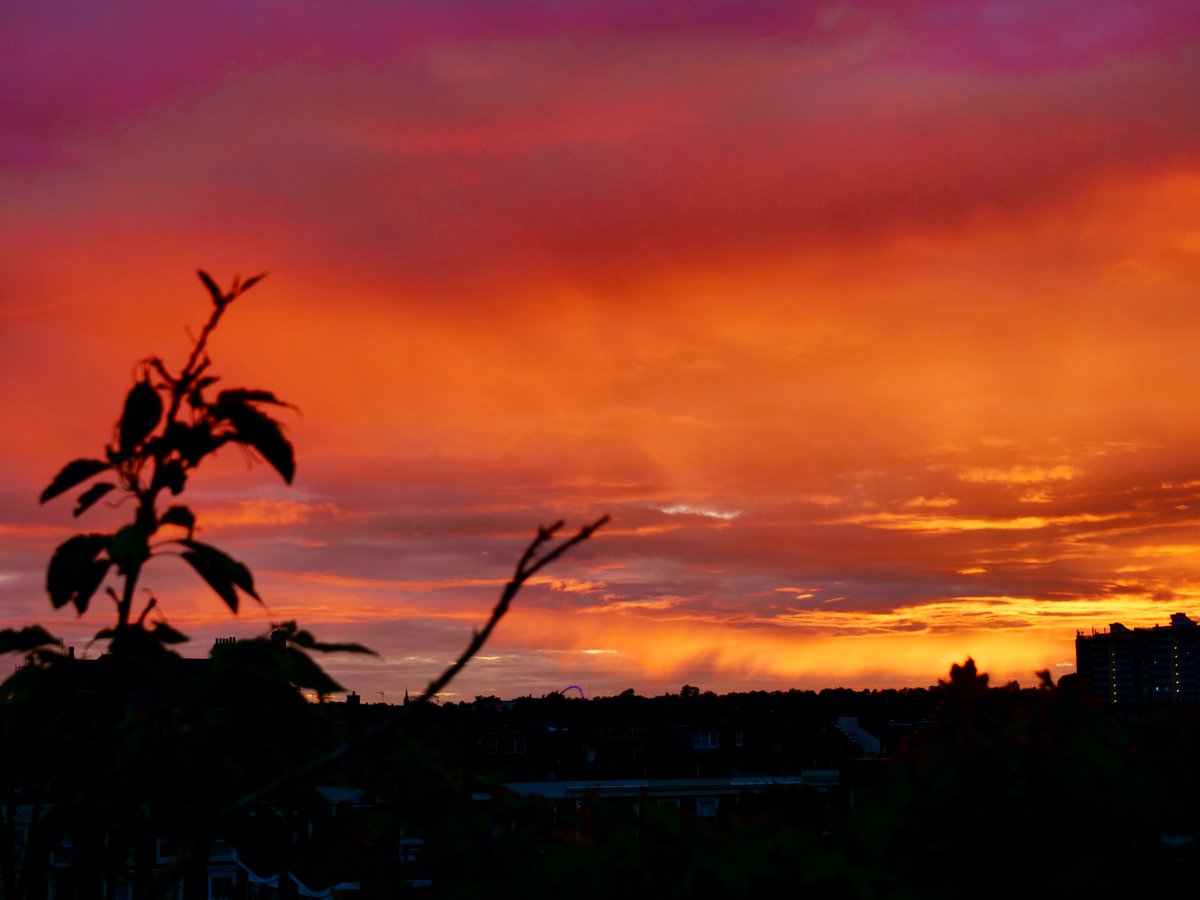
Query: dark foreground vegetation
x,y
141,773
1000,792
1003,792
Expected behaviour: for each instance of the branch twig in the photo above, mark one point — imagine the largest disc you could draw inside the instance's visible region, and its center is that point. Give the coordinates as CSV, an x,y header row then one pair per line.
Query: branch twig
x,y
527,567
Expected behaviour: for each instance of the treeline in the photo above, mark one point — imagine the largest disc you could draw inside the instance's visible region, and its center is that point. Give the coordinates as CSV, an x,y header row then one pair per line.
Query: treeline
x,y
873,707
1008,792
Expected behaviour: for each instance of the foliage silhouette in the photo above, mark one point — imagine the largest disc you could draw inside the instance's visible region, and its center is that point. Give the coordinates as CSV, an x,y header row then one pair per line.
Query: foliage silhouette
x,y
169,425
93,751
102,759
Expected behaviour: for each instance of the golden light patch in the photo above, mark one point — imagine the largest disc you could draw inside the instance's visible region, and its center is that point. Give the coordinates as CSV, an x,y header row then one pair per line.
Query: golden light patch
x,y
264,512
1167,550
1019,474
924,502
1009,637
332,579
946,524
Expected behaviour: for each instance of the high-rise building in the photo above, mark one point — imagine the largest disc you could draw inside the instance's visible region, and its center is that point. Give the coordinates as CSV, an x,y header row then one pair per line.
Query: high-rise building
x,y
1142,666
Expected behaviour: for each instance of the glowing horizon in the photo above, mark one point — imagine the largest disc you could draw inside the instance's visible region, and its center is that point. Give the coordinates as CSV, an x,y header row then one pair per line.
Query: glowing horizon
x,y
872,328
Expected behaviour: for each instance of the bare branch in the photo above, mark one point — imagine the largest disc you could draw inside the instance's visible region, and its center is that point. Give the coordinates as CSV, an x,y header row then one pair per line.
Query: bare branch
x,y
527,566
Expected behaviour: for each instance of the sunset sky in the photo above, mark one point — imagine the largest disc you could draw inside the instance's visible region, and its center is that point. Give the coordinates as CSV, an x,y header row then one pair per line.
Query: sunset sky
x,y
875,327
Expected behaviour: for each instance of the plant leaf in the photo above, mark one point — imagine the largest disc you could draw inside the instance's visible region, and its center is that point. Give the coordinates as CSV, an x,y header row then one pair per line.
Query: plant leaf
x,y
252,281
215,578
173,476
220,570
178,515
306,640
143,409
91,495
194,442
218,297
129,548
28,638
236,571
196,394
263,660
75,572
72,473
165,634
301,671
262,433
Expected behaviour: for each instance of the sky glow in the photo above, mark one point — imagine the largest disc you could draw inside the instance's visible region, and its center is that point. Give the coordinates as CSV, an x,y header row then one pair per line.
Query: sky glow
x,y
872,326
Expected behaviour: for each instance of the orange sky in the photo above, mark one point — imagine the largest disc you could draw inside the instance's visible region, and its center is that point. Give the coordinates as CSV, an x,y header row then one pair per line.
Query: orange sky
x,y
873,327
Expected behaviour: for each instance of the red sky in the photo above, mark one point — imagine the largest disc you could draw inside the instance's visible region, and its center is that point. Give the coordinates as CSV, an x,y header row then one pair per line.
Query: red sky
x,y
873,326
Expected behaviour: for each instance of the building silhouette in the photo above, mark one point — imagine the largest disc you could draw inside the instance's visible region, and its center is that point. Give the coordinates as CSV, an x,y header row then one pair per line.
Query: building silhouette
x,y
1142,666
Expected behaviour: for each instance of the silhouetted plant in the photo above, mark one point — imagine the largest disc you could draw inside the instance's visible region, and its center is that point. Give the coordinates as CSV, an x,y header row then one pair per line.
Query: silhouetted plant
x,y
141,745
170,424
106,761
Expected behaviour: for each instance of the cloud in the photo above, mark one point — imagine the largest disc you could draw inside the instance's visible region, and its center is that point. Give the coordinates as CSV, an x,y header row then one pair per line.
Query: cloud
x,y
924,502
683,509
273,513
942,524
696,141
1019,474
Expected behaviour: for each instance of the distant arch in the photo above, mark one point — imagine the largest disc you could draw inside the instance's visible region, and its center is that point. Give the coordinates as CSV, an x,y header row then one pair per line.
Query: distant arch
x,y
573,687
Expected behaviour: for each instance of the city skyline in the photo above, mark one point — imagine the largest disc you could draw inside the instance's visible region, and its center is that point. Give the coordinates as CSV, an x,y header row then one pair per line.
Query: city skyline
x,y
872,327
